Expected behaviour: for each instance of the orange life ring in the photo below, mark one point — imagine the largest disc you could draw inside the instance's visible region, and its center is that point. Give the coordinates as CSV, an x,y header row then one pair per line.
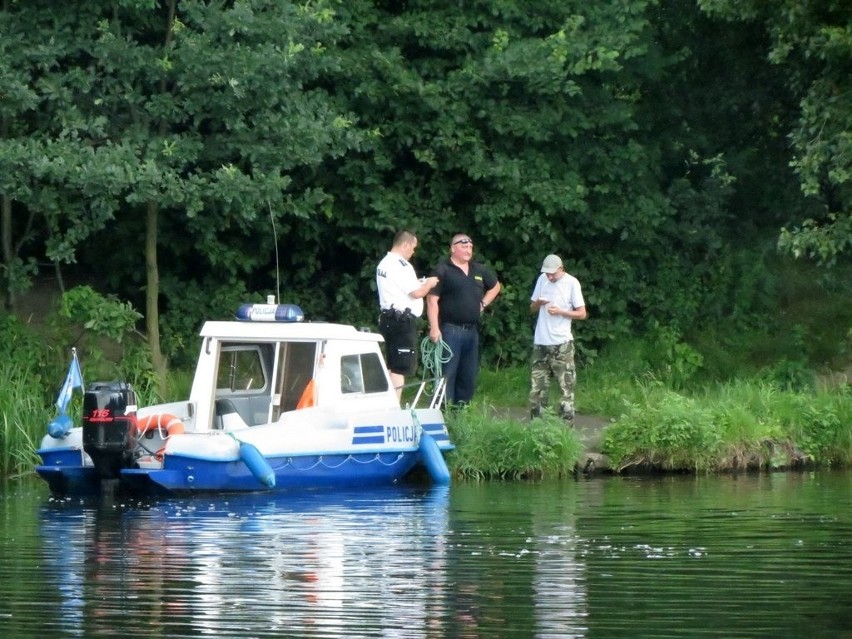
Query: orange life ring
x,y
163,422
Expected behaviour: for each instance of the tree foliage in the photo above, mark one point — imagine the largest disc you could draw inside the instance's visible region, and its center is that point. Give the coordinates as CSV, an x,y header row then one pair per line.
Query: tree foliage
x,y
204,153
812,42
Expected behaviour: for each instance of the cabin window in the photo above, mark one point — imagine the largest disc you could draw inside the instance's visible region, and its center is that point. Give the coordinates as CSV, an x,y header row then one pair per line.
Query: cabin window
x,y
351,380
296,366
241,369
362,374
375,380
243,380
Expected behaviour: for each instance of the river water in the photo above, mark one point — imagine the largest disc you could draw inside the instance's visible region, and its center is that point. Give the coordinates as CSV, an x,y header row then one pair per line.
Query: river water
x,y
764,555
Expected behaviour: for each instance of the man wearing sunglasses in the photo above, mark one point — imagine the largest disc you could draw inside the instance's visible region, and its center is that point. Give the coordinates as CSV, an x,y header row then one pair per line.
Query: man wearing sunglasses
x,y
454,308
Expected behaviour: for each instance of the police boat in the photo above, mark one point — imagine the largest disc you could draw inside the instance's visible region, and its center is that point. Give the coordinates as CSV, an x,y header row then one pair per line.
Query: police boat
x,y
276,404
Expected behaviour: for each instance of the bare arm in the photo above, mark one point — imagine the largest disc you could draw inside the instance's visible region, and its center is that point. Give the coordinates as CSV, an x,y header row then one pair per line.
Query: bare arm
x,y
578,313
535,305
432,315
428,284
490,295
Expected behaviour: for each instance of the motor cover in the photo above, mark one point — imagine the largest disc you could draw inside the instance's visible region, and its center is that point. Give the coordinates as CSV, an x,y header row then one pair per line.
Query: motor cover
x,y
109,426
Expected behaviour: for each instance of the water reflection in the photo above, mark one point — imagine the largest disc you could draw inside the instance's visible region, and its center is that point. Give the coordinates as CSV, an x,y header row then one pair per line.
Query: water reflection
x,y
513,562
316,565
742,556
559,577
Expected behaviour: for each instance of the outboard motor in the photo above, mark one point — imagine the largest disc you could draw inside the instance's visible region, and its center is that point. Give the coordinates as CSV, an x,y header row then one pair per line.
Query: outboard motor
x,y
109,426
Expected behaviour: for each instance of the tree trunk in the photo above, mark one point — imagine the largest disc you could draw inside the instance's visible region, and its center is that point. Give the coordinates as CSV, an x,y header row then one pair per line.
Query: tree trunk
x,y
6,233
152,313
152,270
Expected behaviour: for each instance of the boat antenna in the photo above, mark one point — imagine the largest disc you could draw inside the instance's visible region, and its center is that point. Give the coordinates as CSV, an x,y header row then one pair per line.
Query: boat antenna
x,y
275,237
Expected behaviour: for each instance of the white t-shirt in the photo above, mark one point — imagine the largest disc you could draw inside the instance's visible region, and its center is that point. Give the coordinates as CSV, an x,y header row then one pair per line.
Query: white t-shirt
x,y
551,330
396,280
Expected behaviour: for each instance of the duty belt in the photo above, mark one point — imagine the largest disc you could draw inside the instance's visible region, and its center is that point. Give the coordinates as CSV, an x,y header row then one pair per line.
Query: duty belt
x,y
397,314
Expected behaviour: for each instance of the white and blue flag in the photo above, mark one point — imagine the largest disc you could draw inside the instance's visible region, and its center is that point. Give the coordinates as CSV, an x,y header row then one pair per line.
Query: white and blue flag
x,y
74,379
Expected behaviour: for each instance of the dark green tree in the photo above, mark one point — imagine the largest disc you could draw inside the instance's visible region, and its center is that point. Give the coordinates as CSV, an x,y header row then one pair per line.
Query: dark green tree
x,y
516,123
812,43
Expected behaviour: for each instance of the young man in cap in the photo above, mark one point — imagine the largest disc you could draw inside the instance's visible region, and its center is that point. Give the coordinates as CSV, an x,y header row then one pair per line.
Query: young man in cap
x,y
558,299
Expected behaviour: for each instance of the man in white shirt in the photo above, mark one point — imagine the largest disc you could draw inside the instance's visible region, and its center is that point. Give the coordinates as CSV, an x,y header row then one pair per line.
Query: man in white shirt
x,y
558,299
401,302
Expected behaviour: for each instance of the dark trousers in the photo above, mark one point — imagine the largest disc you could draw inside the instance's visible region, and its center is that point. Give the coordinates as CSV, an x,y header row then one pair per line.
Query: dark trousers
x,y
463,367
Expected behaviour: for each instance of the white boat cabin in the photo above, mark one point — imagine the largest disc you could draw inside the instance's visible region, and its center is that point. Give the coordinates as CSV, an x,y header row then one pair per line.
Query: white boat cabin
x,y
254,373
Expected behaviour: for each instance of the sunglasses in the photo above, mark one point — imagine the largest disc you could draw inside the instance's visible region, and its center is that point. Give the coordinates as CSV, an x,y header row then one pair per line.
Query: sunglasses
x,y
463,241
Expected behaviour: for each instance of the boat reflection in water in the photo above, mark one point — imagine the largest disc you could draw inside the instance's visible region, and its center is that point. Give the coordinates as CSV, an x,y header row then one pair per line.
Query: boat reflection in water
x,y
333,564
622,557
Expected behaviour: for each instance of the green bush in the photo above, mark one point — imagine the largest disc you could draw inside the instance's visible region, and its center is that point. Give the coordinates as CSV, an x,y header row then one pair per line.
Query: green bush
x,y
489,447
730,426
664,430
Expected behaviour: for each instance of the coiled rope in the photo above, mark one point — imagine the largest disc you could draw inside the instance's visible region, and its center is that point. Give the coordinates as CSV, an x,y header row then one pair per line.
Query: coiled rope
x,y
434,356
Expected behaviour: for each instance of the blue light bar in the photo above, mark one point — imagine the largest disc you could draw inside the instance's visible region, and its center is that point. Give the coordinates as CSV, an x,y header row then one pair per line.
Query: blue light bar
x,y
270,313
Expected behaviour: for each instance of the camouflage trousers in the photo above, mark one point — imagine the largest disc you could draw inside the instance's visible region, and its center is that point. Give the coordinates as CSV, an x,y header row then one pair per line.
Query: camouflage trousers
x,y
557,362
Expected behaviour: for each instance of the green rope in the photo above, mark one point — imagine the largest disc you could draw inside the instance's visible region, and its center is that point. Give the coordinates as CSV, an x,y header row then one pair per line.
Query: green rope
x,y
434,356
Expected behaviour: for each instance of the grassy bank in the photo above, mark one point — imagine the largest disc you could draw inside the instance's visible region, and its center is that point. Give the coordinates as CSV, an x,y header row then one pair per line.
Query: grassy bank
x,y
781,417
730,427
489,447
726,427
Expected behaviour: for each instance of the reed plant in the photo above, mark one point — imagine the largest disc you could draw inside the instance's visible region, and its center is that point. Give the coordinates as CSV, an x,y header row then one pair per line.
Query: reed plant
x,y
24,418
820,423
494,447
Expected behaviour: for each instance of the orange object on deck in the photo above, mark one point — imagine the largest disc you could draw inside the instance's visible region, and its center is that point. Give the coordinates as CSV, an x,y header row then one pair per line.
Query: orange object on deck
x,y
163,422
308,397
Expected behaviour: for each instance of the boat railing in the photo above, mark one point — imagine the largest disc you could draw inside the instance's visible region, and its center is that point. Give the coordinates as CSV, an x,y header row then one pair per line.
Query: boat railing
x,y
436,396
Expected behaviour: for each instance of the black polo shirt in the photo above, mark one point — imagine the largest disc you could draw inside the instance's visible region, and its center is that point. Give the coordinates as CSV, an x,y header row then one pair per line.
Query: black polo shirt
x,y
460,293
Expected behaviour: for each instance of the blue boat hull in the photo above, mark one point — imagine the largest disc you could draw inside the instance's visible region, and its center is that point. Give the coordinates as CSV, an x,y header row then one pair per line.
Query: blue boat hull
x,y
184,474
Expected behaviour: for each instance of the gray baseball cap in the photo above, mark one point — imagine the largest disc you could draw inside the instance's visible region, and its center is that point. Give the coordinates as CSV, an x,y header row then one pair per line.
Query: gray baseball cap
x,y
551,264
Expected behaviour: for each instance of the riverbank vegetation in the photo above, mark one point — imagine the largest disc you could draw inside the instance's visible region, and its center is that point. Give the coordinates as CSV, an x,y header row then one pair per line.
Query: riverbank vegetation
x,y
743,425
759,423
784,415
